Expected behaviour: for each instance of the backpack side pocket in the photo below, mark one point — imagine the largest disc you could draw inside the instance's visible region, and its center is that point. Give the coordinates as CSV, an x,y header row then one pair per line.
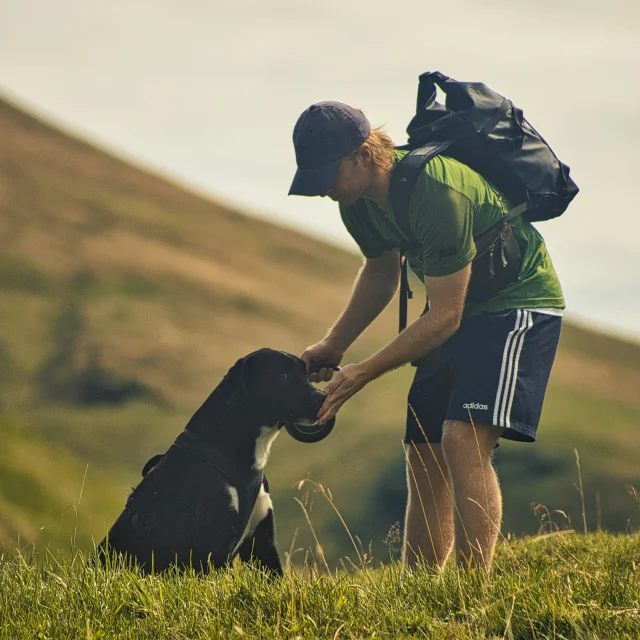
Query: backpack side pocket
x,y
497,262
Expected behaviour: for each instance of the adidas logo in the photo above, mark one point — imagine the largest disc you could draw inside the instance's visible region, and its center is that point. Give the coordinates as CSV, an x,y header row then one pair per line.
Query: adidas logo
x,y
474,405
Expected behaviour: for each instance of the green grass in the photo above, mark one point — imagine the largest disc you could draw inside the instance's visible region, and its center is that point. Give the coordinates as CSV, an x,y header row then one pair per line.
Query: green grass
x,y
560,586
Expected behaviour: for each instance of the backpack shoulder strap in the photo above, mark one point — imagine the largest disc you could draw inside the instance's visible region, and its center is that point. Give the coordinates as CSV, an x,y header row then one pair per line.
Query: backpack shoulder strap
x,y
405,294
515,212
403,180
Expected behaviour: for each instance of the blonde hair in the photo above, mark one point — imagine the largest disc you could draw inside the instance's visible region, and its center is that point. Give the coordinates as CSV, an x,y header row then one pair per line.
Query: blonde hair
x,y
382,149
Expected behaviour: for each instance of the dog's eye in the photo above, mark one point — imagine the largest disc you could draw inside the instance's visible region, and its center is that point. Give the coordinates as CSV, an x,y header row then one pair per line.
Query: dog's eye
x,y
283,376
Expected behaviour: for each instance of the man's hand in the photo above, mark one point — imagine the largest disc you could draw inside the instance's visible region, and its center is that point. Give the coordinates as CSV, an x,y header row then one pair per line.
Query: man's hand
x,y
323,352
347,383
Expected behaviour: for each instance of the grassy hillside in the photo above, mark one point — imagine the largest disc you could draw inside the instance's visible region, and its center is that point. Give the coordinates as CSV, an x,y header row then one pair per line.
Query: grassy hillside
x,y
558,587
125,298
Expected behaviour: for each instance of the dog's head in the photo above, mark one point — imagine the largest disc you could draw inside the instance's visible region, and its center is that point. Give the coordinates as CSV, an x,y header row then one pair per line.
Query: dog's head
x,y
273,387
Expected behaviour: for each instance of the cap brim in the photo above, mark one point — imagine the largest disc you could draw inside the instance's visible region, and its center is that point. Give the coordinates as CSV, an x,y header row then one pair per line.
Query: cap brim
x,y
315,182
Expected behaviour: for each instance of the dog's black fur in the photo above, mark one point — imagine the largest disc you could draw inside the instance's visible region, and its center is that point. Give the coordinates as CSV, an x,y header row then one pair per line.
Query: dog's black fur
x,y
182,513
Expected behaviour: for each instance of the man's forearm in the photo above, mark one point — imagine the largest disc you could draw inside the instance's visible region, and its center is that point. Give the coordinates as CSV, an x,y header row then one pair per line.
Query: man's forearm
x,y
373,290
447,295
425,334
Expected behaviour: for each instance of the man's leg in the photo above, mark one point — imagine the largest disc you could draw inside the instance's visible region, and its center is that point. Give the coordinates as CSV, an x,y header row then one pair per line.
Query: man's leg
x,y
468,450
429,530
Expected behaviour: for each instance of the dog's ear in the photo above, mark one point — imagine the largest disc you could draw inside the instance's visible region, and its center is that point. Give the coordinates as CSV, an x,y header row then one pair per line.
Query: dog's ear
x,y
235,384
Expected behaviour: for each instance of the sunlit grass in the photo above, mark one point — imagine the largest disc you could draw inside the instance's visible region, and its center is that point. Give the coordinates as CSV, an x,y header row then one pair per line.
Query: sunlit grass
x,y
560,586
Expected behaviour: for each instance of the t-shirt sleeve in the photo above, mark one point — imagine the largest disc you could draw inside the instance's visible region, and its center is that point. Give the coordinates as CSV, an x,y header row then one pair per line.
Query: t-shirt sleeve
x,y
356,220
442,220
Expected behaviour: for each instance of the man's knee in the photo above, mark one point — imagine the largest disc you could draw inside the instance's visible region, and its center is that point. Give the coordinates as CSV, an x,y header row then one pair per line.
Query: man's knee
x,y
461,439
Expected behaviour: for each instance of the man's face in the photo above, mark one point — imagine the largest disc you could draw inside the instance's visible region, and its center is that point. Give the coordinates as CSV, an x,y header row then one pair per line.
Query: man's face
x,y
351,181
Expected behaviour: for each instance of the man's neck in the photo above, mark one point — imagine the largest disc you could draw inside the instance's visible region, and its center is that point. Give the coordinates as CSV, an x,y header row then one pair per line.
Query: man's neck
x,y
378,189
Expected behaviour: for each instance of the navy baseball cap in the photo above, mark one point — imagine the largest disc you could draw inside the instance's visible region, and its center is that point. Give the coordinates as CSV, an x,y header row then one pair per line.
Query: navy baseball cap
x,y
325,133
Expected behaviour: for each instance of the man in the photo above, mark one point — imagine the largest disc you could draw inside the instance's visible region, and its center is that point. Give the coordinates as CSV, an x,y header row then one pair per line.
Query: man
x,y
487,364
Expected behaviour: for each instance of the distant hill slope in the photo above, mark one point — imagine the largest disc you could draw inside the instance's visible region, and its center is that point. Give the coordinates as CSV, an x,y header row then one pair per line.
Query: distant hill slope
x,y
126,297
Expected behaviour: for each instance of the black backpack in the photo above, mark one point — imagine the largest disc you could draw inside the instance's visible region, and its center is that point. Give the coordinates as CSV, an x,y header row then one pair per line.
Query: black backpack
x,y
488,133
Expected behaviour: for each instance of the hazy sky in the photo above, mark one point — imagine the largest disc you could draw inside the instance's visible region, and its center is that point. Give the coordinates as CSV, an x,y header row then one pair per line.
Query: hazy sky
x,y
208,91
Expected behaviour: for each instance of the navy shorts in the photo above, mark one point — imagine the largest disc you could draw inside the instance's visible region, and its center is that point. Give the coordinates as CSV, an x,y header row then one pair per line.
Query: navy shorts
x,y
493,370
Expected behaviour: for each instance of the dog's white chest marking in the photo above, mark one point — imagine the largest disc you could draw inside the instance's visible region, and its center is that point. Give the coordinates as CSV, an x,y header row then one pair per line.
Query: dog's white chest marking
x,y
263,445
258,514
233,494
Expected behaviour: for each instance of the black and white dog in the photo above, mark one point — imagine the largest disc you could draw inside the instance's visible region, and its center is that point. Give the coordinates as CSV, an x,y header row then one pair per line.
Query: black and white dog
x,y
206,499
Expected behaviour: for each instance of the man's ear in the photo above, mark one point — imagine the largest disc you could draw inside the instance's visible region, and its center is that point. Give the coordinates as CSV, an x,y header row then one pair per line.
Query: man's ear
x,y
235,384
364,155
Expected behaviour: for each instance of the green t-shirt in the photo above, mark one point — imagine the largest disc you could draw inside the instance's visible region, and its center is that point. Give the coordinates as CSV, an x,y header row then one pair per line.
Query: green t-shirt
x,y
450,204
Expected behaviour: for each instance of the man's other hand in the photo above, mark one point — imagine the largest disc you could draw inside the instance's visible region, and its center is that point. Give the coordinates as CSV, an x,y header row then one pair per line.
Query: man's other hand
x,y
323,352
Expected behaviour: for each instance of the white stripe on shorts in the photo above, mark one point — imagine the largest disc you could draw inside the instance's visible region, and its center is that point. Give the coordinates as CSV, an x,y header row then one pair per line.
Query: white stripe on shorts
x,y
514,377
509,369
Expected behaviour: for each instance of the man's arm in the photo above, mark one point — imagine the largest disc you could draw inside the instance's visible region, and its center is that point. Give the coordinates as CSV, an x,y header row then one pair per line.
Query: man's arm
x,y
374,287
446,299
446,303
